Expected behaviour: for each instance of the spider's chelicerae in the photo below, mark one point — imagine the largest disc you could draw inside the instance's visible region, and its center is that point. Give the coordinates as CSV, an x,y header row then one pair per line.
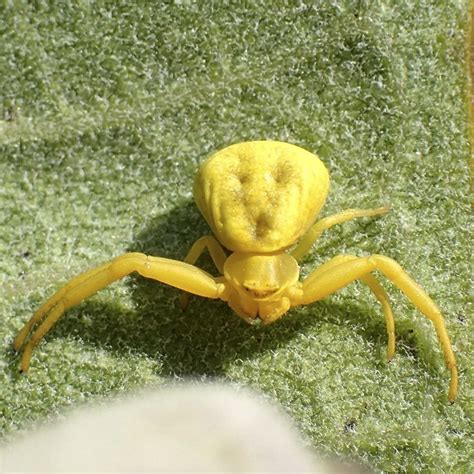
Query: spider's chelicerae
x,y
261,200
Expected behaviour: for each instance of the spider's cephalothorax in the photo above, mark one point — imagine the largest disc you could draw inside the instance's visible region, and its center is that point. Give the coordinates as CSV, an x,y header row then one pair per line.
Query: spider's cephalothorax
x,y
261,285
261,200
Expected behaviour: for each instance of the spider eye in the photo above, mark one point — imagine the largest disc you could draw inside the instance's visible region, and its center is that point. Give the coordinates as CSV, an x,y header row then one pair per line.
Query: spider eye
x,y
261,277
259,291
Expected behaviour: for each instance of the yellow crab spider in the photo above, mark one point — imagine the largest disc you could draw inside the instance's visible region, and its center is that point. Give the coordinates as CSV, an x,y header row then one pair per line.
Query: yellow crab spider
x,y
261,200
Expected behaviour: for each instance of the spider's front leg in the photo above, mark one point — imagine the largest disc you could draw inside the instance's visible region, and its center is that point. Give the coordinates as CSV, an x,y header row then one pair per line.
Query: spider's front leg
x,y
343,270
216,252
172,272
371,282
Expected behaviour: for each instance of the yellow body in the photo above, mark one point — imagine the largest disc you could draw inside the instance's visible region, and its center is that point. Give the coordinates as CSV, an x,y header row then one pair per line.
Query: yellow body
x,y
261,200
261,196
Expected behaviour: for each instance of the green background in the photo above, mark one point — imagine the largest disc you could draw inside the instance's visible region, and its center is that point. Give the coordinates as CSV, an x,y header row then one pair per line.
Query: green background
x,y
107,109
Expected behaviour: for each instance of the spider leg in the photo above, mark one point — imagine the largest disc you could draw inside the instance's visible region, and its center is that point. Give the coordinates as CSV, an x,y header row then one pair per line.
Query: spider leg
x,y
377,290
313,234
217,253
51,302
335,276
172,272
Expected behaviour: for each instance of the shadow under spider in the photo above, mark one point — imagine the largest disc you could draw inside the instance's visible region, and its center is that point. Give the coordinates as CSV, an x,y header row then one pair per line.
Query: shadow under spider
x,y
202,340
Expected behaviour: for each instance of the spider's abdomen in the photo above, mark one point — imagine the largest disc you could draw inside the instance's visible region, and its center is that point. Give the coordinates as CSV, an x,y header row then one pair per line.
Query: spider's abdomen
x,y
261,196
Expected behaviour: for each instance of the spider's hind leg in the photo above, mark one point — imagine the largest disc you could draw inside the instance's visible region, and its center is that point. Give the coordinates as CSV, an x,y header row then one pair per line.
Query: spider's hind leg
x,y
313,234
